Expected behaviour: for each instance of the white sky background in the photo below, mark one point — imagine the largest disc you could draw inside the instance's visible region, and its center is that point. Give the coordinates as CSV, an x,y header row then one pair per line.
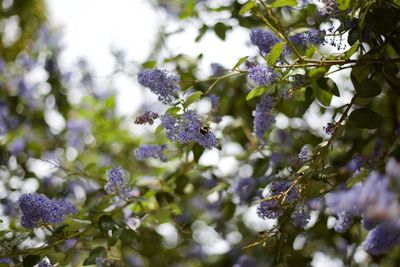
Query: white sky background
x,y
92,27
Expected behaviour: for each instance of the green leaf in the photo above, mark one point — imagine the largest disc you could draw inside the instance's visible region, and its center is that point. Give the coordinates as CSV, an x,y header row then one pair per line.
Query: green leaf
x,y
149,64
202,31
173,110
281,3
324,97
220,30
352,49
97,252
328,85
247,7
159,129
192,98
343,4
256,92
240,62
357,178
30,260
365,118
317,73
368,88
106,223
275,53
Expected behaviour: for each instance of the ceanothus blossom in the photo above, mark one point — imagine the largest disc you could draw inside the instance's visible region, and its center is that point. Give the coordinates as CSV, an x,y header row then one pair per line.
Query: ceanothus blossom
x,y
262,75
117,184
301,218
38,208
372,199
311,37
263,116
243,188
151,151
269,209
263,39
186,128
147,117
161,83
382,238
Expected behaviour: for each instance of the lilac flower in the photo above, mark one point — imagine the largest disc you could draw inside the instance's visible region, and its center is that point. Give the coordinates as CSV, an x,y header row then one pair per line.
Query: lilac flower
x,y
153,151
147,117
311,37
214,99
243,188
264,40
161,83
393,168
44,263
300,218
2,66
77,129
4,118
329,6
270,209
262,75
116,184
187,128
38,208
305,153
6,260
356,163
372,200
245,261
344,222
329,128
217,69
382,238
17,146
263,116
285,187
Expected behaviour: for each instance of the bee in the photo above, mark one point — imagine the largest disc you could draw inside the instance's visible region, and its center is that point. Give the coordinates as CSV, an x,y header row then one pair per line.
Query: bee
x,y
204,129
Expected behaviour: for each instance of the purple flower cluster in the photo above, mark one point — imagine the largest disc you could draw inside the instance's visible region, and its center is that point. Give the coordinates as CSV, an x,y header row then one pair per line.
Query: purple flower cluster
x,y
44,264
300,218
151,151
305,153
6,261
372,199
77,129
263,116
262,75
270,209
329,7
245,261
311,37
147,117
264,40
161,83
17,146
382,238
344,222
378,208
287,188
38,208
187,128
116,184
329,128
217,69
243,188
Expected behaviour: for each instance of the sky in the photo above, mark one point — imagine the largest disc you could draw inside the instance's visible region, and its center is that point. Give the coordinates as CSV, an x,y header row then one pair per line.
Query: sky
x,y
91,27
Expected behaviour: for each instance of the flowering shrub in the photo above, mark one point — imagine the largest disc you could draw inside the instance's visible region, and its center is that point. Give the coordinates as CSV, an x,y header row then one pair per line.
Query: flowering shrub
x,y
293,151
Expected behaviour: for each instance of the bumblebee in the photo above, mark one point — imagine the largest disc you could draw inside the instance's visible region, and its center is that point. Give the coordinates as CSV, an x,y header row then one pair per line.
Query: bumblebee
x,y
204,129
